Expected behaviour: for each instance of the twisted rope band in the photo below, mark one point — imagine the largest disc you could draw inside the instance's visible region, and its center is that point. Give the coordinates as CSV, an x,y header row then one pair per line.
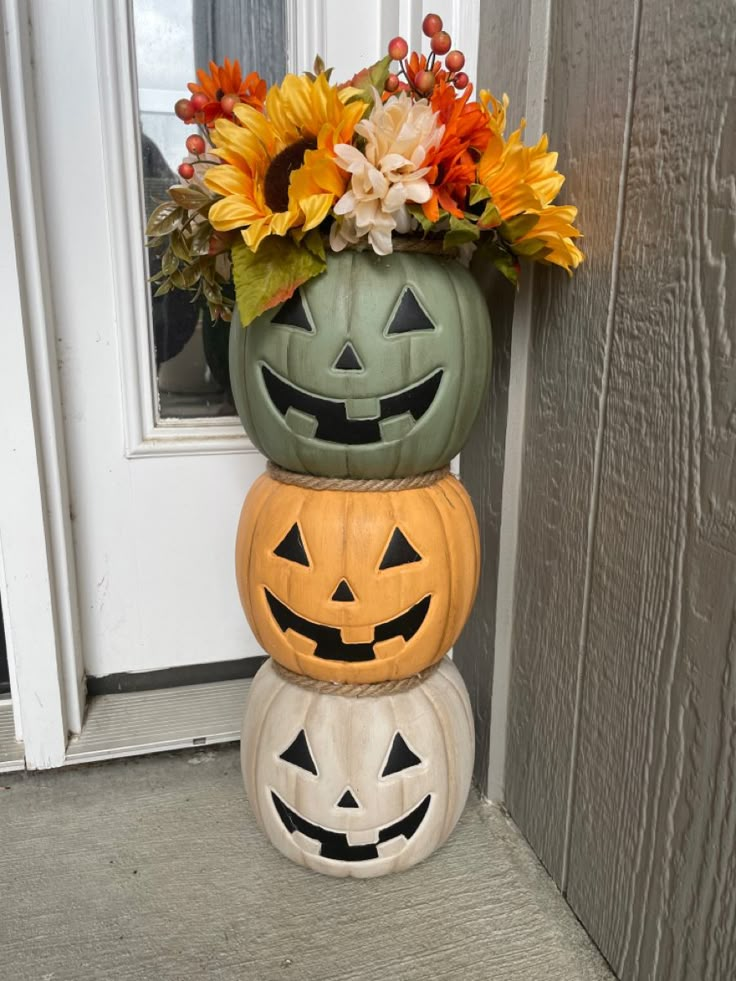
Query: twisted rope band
x,y
347,484
404,243
393,687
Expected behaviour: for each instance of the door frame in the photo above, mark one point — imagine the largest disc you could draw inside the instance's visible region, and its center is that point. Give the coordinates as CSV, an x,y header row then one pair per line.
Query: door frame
x,y
37,576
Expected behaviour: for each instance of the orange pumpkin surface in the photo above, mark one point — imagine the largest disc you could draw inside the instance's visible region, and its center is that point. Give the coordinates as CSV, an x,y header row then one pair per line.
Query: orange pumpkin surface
x,y
357,587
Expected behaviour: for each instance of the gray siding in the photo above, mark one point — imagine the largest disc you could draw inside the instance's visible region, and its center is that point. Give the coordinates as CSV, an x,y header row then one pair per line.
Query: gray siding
x,y
621,762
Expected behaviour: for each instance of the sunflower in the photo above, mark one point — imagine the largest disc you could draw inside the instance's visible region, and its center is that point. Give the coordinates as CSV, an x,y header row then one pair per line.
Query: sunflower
x,y
279,171
224,80
522,183
550,240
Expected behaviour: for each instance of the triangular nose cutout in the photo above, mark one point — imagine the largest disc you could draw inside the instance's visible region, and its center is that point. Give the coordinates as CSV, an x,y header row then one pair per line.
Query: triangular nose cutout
x,y
343,593
348,800
348,359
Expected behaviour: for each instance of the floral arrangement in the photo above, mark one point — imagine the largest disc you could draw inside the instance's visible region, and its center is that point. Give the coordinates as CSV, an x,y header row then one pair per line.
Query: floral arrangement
x,y
278,175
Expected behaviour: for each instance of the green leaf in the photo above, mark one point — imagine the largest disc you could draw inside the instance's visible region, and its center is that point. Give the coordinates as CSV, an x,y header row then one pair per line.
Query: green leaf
x,y
169,263
191,275
425,223
499,256
179,245
163,288
478,192
534,248
189,196
164,219
314,242
177,279
213,293
517,227
319,69
491,216
265,278
461,232
200,240
373,77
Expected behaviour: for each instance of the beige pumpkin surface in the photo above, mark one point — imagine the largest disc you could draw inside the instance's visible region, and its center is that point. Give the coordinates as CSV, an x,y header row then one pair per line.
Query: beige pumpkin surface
x,y
357,786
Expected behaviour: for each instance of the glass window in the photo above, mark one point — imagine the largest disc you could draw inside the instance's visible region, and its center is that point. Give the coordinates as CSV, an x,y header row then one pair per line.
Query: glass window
x,y
172,39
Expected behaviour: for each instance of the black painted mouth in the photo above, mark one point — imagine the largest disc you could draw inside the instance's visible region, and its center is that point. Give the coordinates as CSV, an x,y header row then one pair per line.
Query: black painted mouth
x,y
333,424
330,645
335,844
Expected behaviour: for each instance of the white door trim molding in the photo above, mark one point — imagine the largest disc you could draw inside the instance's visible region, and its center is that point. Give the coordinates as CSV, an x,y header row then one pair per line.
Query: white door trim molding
x,y
38,568
145,434
305,32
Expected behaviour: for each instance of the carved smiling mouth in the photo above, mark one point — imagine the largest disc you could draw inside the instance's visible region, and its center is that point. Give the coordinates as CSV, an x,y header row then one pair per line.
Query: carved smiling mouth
x,y
328,640
335,844
355,421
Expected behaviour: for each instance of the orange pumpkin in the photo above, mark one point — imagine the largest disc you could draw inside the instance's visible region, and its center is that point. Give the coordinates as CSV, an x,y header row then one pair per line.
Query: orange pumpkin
x,y
357,586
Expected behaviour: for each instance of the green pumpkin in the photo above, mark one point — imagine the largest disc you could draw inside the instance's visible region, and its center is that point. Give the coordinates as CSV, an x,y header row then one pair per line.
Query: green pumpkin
x,y
376,368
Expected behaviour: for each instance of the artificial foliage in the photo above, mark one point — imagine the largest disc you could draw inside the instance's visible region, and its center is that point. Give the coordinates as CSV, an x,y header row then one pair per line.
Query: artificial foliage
x,y
278,176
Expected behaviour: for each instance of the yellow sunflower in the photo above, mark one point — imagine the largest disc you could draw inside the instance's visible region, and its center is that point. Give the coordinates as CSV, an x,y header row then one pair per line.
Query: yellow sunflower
x,y
551,238
522,182
279,171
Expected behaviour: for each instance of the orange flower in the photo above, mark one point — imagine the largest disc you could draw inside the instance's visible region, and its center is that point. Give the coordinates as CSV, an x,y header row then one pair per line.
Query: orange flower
x,y
454,162
224,80
416,63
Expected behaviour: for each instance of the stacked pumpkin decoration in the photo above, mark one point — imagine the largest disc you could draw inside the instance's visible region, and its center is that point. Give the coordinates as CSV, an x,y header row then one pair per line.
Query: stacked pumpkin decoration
x,y
338,214
357,569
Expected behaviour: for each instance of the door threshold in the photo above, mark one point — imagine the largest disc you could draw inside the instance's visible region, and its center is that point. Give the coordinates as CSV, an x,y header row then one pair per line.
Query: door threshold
x,y
11,751
136,723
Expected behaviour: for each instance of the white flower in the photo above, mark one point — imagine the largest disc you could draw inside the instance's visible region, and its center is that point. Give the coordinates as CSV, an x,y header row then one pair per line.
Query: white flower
x,y
399,135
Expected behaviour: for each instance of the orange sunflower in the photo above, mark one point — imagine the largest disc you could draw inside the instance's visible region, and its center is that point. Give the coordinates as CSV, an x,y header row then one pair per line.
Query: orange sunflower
x,y
225,80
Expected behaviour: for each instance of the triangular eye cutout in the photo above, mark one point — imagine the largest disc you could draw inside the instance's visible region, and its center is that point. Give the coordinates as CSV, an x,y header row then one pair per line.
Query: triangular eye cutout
x,y
292,548
348,359
400,757
343,593
409,316
293,314
348,800
298,754
399,552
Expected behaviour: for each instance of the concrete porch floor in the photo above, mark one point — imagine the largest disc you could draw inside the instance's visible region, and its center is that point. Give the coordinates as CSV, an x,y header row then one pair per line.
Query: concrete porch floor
x,y
152,869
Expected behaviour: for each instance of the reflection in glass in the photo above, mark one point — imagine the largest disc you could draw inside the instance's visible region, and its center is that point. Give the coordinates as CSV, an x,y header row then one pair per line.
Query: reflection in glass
x,y
172,38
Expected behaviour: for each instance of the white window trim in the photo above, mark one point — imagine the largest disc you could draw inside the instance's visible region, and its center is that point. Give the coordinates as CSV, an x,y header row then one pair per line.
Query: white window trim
x,y
145,434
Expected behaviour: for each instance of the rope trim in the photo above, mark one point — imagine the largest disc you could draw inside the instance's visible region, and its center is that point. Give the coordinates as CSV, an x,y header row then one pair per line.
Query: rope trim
x,y
394,687
347,484
406,243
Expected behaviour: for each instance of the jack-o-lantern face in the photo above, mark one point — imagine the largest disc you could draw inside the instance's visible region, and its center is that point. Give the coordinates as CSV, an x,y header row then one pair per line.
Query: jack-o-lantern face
x,y
357,586
375,368
357,786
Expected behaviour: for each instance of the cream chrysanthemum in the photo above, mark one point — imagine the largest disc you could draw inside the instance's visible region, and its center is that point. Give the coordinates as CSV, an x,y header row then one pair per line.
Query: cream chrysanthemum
x,y
400,135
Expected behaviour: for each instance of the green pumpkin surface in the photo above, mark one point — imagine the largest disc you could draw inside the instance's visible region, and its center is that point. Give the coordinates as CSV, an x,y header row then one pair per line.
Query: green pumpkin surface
x,y
376,368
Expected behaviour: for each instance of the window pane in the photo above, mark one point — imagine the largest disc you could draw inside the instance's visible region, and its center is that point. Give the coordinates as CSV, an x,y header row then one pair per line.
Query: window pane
x,y
172,39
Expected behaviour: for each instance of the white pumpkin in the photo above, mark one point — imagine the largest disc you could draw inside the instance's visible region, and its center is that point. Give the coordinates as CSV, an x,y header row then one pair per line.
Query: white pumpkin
x,y
357,786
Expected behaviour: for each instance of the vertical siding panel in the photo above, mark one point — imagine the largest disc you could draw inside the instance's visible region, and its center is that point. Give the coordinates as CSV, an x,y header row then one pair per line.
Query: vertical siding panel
x,y
587,85
652,870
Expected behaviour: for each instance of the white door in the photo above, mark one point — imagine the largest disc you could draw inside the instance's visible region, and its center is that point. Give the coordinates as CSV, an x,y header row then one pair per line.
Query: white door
x,y
156,461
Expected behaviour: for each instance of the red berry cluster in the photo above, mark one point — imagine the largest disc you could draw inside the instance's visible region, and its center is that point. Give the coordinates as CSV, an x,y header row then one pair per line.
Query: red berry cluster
x,y
423,82
187,109
196,146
